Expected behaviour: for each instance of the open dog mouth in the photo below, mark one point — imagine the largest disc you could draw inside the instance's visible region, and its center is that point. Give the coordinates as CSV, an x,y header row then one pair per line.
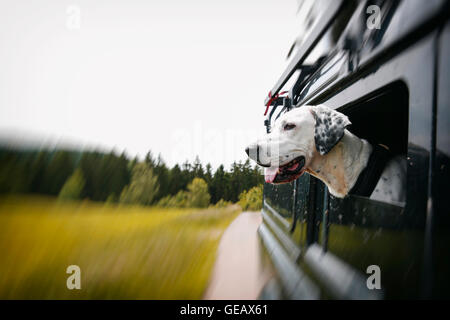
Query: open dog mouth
x,y
285,173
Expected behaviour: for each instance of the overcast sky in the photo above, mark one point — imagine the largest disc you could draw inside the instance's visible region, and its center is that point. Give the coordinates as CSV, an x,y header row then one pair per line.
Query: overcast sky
x,y
180,78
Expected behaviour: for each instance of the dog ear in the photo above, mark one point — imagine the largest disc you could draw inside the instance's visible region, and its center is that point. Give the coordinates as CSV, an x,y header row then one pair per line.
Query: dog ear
x,y
329,129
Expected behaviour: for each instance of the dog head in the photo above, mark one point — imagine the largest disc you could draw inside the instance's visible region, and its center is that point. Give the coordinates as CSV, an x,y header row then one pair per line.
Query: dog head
x,y
296,137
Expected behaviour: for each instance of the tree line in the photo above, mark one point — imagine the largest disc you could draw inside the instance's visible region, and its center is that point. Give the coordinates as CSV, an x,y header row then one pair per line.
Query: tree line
x,y
113,177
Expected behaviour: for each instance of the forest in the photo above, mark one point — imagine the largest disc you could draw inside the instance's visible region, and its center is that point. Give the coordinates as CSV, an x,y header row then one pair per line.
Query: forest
x,y
113,177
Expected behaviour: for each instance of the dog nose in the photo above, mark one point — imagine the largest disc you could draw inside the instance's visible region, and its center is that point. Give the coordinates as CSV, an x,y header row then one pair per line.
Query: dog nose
x,y
247,151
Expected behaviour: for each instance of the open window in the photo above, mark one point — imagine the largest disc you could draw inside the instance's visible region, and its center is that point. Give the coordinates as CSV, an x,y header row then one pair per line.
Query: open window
x,y
382,119
361,231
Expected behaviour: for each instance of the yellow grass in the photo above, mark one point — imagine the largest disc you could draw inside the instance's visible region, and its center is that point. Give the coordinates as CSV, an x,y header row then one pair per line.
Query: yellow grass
x,y
123,252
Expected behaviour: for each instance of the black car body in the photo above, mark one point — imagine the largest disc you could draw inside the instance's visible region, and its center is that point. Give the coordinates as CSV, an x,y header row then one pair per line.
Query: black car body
x,y
393,82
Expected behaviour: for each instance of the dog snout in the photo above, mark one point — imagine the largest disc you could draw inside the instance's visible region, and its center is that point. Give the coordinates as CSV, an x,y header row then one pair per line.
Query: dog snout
x,y
254,152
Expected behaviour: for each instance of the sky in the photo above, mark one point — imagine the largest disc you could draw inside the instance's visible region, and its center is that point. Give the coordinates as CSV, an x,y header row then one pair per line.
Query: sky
x,y
180,78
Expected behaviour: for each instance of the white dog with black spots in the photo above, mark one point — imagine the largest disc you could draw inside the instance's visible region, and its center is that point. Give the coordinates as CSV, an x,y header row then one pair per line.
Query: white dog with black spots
x,y
314,139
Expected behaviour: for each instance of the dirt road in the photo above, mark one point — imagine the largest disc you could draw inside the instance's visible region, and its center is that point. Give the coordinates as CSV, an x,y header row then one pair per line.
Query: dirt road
x,y
237,272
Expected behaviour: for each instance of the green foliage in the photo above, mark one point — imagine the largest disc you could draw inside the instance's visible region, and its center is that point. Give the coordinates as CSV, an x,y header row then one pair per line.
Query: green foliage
x,y
162,172
58,170
196,196
112,198
219,188
12,175
251,199
35,172
180,200
222,204
73,187
108,175
143,187
105,174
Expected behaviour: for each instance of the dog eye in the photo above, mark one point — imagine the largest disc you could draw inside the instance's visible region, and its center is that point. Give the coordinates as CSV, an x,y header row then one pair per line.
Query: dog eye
x,y
289,126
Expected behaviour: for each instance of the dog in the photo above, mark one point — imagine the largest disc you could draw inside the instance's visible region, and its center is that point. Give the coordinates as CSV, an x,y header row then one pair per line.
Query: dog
x,y
315,140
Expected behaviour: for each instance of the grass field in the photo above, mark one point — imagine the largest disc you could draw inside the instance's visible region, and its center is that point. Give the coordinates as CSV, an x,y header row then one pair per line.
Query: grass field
x,y
123,252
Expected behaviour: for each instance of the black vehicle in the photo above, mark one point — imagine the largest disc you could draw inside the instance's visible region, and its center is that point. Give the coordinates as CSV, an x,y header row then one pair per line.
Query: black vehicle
x,y
392,79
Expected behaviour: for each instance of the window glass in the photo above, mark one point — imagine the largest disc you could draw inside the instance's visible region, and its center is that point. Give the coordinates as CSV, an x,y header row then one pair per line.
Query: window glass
x,y
281,199
302,187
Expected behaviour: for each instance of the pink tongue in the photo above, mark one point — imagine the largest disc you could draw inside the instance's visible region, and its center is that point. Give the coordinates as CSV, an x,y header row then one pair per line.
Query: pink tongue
x,y
270,174
293,167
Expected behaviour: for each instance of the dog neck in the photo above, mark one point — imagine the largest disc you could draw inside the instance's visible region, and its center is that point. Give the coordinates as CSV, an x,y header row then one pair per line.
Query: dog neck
x,y
339,169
